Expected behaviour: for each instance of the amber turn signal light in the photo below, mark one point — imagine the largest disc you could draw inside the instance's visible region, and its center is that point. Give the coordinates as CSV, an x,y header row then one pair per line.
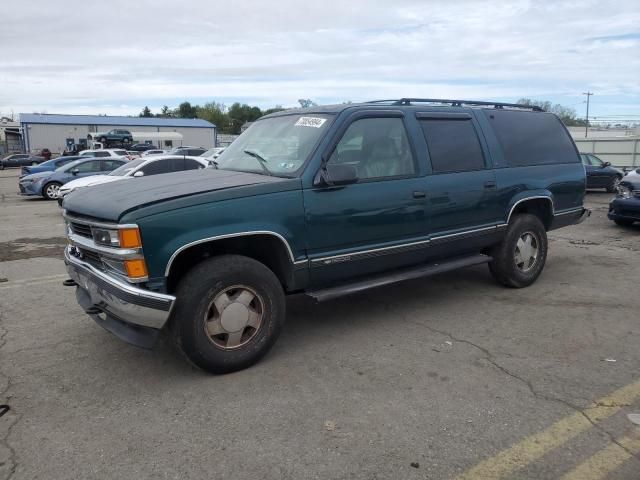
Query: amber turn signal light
x,y
135,268
130,238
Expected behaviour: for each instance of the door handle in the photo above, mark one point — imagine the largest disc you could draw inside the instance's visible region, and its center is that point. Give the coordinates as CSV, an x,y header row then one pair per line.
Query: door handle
x,y
489,184
418,194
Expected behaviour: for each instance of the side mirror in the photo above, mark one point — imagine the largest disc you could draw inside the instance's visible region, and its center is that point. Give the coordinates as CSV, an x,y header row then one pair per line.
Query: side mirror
x,y
75,171
336,175
139,173
606,164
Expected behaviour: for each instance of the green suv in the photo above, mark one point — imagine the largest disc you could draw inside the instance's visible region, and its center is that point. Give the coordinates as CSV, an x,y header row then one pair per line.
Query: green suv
x,y
325,201
113,136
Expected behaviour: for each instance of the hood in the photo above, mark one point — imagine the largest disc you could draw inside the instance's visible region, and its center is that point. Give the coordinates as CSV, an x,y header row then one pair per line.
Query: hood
x,y
86,181
36,176
110,202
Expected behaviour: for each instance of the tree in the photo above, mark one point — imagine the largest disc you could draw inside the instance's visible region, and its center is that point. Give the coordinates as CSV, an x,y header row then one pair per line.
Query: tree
x,y
185,110
146,112
215,113
567,115
306,103
239,114
164,112
277,108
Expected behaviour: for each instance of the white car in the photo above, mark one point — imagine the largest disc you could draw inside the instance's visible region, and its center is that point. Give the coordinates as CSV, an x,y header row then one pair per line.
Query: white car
x,y
153,152
104,152
213,153
633,175
140,167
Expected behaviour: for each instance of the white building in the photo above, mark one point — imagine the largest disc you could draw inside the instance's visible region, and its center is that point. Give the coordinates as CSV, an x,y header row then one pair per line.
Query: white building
x,y
56,132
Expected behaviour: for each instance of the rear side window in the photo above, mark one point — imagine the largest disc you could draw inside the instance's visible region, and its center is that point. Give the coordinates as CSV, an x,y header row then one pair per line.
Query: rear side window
x,y
453,145
529,138
156,167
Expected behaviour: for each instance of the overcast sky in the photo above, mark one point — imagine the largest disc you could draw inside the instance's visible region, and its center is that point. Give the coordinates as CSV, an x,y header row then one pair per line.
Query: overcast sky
x,y
115,57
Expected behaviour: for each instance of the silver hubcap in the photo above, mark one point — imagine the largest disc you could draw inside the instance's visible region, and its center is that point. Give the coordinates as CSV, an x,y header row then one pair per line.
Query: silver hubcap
x,y
616,183
526,253
234,317
52,191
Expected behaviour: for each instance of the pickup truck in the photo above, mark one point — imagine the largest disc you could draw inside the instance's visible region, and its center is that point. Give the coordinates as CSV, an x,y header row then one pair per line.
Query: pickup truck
x,y
113,136
324,201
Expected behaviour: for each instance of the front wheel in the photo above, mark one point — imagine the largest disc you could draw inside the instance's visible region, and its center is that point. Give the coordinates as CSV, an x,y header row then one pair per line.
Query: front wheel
x,y
50,190
229,312
519,259
623,222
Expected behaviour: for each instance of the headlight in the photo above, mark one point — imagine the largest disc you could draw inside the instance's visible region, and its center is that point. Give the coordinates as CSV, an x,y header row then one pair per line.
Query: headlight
x,y
624,191
119,238
106,237
26,181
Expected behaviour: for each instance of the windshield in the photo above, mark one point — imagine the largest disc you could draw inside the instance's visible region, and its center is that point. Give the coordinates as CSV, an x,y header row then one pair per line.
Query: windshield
x,y
123,170
282,144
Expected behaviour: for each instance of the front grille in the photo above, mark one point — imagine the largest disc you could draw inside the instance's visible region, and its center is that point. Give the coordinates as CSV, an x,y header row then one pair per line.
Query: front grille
x,y
91,257
81,229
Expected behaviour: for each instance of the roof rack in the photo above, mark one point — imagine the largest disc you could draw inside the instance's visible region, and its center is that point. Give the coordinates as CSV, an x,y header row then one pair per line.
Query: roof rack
x,y
458,103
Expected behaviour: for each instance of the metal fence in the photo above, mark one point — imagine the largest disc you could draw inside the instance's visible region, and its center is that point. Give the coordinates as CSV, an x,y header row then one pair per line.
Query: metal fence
x,y
620,152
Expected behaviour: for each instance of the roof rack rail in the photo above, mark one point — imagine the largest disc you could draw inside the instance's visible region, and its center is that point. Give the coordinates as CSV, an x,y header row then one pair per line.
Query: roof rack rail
x,y
458,103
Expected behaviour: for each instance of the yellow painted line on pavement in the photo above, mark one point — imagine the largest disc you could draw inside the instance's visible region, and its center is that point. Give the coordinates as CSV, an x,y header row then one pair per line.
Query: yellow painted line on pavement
x,y
32,281
604,462
535,446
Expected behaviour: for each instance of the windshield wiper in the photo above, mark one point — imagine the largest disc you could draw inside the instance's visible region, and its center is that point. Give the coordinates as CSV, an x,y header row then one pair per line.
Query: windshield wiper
x,y
261,161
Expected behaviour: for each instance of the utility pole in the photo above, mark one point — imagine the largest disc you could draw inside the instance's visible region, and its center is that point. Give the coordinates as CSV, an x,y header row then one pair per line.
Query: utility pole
x,y
586,126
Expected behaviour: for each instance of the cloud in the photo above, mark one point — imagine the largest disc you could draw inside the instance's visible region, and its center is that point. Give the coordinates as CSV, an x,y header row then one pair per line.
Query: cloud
x,y
118,58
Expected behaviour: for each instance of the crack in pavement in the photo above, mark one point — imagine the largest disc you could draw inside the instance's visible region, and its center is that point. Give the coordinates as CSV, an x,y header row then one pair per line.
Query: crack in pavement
x,y
9,384
490,357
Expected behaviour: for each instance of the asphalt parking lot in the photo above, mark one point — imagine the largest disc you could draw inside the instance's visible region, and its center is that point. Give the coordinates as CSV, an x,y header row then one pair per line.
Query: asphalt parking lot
x,y
447,377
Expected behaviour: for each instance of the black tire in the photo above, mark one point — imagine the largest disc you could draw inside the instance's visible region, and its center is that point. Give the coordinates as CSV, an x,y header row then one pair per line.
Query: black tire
x,y
504,267
221,277
127,140
45,190
623,222
613,186
1,166
33,164
103,140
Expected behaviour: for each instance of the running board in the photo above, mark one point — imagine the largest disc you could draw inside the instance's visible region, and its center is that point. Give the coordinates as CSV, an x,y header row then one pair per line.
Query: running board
x,y
423,270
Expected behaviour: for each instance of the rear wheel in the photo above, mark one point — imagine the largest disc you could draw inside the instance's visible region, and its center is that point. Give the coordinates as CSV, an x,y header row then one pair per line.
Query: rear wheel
x,y
519,259
50,190
229,312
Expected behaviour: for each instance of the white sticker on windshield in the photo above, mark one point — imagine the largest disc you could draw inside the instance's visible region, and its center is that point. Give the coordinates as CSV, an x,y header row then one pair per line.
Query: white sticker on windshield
x,y
314,122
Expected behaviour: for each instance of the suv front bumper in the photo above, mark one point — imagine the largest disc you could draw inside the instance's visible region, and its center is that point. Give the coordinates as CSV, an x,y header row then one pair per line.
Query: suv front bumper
x,y
131,313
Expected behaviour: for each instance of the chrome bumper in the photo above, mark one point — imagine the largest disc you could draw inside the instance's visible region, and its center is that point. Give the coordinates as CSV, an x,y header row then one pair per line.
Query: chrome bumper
x,y
115,298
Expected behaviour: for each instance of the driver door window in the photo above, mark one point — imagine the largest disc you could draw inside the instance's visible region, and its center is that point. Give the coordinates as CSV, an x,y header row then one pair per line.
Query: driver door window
x,y
377,148
89,167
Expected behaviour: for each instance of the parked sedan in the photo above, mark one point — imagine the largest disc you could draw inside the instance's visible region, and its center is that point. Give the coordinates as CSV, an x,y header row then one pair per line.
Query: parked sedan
x,y
19,160
141,147
601,174
47,184
140,167
624,209
49,165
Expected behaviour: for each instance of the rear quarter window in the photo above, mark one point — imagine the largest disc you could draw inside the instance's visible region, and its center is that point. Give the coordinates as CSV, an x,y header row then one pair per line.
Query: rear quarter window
x,y
531,138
